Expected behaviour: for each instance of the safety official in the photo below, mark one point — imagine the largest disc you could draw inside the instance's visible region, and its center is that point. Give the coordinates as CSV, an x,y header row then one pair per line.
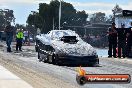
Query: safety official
x,y
19,40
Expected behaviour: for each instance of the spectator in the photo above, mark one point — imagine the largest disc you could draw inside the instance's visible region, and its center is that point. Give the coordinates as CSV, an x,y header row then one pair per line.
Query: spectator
x,y
25,36
112,40
9,36
122,41
129,40
0,35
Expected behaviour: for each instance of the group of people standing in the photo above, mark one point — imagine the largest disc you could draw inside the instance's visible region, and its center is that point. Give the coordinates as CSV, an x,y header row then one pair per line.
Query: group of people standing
x,y
9,30
120,41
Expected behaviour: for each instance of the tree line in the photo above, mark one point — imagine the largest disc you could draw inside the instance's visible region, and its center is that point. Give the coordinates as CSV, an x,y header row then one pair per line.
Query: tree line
x,y
49,13
6,16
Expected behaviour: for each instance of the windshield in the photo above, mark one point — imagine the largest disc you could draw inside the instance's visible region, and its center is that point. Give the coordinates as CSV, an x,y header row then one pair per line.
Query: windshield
x,y
59,34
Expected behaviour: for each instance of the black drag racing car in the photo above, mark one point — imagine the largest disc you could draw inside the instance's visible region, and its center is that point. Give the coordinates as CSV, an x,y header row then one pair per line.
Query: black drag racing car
x,y
65,47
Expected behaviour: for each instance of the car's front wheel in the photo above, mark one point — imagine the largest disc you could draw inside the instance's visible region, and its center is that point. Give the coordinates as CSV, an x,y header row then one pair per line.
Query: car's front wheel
x,y
45,59
54,59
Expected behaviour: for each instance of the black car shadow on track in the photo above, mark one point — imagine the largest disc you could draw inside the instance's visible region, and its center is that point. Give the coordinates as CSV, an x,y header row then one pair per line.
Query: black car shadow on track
x,y
76,65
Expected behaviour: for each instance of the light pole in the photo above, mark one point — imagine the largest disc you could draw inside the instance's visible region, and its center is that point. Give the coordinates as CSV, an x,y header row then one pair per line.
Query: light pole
x,y
34,24
59,14
53,24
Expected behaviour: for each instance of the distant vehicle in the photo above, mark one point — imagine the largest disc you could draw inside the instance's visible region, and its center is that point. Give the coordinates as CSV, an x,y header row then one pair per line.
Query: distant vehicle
x,y
65,47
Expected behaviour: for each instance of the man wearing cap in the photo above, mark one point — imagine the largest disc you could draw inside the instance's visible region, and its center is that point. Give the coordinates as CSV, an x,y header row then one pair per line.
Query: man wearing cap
x,y
112,37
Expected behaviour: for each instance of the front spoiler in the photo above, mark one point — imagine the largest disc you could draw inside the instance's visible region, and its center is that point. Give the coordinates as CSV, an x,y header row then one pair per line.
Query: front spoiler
x,y
79,60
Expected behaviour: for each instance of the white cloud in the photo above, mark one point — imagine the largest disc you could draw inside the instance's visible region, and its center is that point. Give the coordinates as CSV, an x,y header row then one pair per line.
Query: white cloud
x,y
41,1
24,1
89,4
127,6
93,7
3,6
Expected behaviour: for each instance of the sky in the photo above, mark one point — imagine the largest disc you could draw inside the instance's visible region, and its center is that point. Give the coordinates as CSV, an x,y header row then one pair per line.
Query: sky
x,y
22,8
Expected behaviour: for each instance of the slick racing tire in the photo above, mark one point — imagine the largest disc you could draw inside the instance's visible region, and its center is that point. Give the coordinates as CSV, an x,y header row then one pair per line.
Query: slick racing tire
x,y
38,55
36,48
54,59
45,59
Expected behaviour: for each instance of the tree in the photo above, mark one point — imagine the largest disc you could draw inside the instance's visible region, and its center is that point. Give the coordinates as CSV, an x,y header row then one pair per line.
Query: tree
x,y
35,19
109,19
115,10
19,26
80,18
98,17
2,21
50,12
6,15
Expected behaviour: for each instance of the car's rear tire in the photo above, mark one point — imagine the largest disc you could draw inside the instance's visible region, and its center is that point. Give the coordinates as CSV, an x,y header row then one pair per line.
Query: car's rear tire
x,y
38,55
39,58
36,48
